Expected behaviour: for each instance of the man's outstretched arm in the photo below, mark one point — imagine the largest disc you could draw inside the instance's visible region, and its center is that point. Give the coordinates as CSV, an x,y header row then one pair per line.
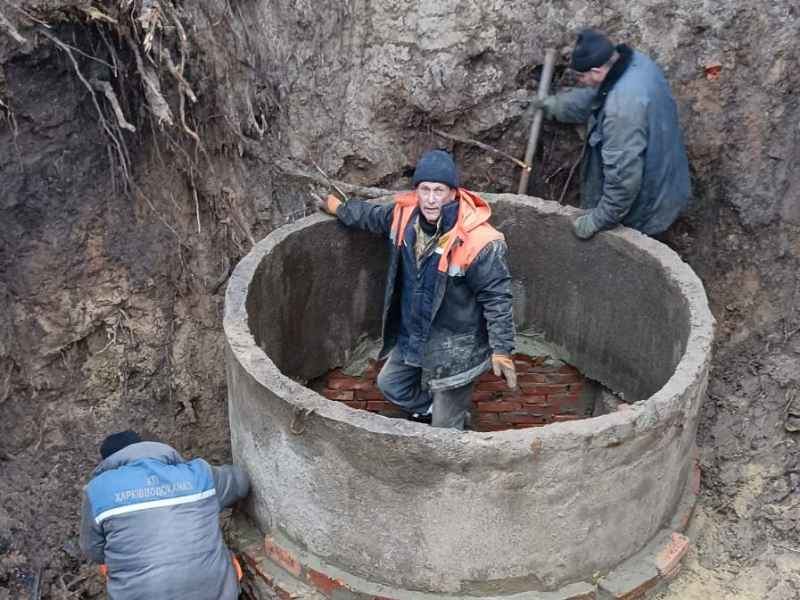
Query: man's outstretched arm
x,y
375,218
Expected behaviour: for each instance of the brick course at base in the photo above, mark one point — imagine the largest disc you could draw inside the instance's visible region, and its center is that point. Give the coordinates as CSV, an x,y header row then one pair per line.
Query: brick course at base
x,y
545,394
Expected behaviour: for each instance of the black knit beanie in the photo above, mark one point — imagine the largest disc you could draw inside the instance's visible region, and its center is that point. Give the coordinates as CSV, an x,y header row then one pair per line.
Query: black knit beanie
x,y
436,166
117,441
592,50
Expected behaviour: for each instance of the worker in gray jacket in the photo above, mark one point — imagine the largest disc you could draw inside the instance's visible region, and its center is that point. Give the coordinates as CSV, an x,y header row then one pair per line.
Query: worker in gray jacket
x,y
634,169
152,520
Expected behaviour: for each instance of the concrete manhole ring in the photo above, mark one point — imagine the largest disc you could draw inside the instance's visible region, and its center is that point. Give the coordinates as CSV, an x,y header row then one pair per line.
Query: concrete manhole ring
x,y
385,507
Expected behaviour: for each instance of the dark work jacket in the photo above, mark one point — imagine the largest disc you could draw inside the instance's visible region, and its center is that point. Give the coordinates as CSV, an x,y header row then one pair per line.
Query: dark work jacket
x,y
634,169
471,311
417,287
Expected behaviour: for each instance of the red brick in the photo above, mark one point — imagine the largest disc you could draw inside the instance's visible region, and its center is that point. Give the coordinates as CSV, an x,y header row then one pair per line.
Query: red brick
x,y
533,389
489,376
483,396
576,388
523,358
498,406
695,487
670,554
323,583
564,399
539,360
337,374
361,405
687,517
265,577
491,386
492,427
282,592
534,399
511,397
546,409
374,368
485,417
351,384
381,405
567,369
369,395
252,556
337,394
532,378
282,556
517,418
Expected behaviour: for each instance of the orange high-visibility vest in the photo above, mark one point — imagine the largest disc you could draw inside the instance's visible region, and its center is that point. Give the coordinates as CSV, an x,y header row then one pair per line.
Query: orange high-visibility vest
x,y
469,236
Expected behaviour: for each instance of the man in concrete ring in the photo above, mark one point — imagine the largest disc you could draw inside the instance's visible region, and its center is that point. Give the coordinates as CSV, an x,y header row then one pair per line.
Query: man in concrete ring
x,y
448,308
634,169
151,520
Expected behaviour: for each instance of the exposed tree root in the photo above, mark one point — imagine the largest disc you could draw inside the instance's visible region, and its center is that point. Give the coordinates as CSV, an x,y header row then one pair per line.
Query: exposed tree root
x,y
8,27
108,92
119,144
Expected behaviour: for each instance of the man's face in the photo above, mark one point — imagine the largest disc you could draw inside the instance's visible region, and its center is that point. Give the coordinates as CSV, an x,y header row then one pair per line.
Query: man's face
x,y
592,77
432,197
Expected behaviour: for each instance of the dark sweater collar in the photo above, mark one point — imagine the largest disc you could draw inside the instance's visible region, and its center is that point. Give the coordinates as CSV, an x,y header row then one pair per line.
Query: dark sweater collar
x,y
614,74
446,221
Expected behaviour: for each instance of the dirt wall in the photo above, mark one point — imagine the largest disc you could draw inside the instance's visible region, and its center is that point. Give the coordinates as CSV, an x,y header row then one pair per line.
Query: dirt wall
x,y
110,291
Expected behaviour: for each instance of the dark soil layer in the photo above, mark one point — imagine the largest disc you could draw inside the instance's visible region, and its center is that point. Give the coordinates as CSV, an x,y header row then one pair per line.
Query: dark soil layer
x,y
118,230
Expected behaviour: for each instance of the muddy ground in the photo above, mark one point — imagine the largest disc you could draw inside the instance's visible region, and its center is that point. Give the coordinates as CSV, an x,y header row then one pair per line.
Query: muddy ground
x,y
120,220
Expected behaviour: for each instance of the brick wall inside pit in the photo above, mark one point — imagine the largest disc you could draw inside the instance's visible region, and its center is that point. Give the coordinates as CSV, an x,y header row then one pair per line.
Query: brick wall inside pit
x,y
545,394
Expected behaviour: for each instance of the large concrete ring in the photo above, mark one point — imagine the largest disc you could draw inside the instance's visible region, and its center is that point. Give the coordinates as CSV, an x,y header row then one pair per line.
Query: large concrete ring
x,y
446,512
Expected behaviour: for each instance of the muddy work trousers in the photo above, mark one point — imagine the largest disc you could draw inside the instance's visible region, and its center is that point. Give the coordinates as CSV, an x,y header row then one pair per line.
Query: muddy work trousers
x,y
401,384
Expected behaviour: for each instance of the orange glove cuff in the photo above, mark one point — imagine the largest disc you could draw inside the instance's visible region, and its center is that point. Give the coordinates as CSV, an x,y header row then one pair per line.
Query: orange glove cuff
x,y
504,360
333,204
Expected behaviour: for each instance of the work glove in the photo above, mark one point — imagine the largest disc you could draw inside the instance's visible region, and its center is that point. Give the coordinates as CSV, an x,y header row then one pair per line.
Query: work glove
x,y
584,225
330,206
503,366
539,104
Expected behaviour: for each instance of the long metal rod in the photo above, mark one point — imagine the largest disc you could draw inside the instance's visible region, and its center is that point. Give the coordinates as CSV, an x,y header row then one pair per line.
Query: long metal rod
x,y
536,126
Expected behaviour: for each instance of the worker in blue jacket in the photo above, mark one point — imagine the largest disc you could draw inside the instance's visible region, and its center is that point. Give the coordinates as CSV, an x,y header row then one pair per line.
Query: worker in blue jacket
x,y
152,520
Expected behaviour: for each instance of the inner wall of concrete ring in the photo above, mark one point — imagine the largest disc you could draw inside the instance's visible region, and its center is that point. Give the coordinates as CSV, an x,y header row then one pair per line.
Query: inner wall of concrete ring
x,y
450,512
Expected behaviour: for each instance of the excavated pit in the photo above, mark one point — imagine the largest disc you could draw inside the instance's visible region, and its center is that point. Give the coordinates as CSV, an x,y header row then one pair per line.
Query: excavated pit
x,y
393,508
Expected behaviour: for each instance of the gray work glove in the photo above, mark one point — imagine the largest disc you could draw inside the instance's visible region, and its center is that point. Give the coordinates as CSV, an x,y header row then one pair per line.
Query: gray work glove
x,y
584,225
537,104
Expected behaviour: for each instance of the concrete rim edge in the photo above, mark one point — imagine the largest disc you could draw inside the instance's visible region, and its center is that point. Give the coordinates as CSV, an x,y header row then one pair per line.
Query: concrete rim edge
x,y
691,367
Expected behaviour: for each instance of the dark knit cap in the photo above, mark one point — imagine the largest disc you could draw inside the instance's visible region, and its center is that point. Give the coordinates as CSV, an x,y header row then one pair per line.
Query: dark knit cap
x,y
436,166
117,441
592,50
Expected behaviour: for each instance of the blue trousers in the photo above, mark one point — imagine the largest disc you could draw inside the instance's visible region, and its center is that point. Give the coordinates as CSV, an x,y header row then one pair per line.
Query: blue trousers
x,y
401,384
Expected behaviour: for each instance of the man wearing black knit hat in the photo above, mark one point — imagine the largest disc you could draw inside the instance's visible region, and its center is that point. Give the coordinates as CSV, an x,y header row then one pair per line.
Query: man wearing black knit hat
x,y
448,307
634,169
151,519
